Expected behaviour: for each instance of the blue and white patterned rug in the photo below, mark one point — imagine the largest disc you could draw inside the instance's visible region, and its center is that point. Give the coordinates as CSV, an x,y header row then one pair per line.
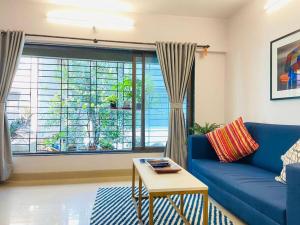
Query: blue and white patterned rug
x,y
113,206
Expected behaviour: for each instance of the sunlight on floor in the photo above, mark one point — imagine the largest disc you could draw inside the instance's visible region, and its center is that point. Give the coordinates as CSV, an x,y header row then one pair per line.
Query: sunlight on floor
x,y
61,204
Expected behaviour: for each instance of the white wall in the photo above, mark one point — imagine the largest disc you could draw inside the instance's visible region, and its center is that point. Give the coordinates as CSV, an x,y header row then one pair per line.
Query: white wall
x,y
30,16
71,163
248,70
209,91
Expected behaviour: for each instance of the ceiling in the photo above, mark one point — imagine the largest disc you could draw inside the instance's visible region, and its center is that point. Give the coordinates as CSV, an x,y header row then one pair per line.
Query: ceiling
x,y
194,8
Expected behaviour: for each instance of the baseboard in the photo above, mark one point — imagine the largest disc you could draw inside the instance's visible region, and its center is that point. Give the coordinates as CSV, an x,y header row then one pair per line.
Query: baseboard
x,y
65,175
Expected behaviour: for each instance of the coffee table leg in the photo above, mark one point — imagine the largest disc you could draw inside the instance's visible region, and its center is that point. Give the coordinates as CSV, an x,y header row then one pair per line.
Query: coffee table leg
x,y
181,203
133,181
205,209
140,198
150,209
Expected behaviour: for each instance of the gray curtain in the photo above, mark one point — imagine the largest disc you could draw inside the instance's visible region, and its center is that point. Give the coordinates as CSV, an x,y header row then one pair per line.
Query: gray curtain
x,y
11,45
176,61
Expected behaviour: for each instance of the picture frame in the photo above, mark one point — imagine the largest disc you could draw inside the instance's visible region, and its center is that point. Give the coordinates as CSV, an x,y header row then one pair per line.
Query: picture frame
x,y
285,67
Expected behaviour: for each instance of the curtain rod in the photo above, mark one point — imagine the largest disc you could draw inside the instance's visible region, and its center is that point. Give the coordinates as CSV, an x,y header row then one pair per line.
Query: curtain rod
x,y
102,40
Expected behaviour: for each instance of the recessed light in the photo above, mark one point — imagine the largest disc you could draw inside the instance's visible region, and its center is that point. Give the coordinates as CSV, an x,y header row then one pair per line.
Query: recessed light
x,y
273,5
102,5
84,19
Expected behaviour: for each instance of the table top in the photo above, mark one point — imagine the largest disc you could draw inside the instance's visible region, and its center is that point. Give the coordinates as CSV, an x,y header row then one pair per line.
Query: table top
x,y
170,182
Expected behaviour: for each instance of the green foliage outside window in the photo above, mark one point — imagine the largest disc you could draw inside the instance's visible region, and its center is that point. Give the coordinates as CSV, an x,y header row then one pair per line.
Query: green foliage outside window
x,y
112,99
19,124
103,126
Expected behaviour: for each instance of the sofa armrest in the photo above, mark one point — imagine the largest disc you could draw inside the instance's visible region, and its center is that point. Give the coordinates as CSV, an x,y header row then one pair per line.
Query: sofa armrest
x,y
200,148
293,193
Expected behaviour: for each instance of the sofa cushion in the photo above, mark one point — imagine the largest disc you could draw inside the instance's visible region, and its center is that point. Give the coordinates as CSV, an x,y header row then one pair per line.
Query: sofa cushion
x,y
290,157
237,207
274,141
252,185
232,142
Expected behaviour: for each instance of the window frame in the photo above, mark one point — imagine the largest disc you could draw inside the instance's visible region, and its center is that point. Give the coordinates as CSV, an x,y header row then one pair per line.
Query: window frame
x,y
189,115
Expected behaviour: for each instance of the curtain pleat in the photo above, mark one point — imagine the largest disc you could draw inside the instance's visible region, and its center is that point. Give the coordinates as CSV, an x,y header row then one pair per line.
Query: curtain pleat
x,y
176,61
11,45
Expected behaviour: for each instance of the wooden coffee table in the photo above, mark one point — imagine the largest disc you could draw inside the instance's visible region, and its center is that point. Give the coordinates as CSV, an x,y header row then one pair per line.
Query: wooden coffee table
x,y
164,185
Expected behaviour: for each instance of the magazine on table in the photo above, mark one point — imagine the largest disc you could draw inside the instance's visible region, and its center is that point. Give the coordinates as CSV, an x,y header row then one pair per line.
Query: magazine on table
x,y
162,165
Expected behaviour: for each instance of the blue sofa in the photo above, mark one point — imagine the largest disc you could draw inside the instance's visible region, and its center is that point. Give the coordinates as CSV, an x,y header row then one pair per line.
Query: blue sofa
x,y
247,188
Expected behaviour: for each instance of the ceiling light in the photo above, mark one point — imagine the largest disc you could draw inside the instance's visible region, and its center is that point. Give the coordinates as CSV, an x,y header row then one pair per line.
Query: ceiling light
x,y
92,20
103,5
273,5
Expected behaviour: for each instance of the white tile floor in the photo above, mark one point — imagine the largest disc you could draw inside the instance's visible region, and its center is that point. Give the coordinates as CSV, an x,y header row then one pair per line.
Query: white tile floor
x,y
61,204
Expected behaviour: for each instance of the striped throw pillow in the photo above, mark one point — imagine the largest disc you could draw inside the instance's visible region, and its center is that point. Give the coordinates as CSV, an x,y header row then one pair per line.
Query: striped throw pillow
x,y
290,157
232,142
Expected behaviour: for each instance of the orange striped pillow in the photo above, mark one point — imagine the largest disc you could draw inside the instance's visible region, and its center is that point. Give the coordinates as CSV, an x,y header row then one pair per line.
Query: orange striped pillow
x,y
232,142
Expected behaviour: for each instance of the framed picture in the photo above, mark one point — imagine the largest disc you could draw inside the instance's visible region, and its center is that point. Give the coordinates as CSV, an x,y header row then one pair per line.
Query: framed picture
x,y
285,67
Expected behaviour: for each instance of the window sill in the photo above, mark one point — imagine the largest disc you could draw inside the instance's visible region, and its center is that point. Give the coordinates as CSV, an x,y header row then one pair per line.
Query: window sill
x,y
156,150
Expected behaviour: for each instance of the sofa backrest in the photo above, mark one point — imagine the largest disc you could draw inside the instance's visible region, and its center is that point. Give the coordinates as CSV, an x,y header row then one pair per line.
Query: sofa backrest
x,y
274,141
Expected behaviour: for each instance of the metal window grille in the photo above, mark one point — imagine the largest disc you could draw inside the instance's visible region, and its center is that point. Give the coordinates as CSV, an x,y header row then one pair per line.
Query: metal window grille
x,y
61,105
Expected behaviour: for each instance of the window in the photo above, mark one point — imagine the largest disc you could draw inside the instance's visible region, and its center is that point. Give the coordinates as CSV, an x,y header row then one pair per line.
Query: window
x,y
74,99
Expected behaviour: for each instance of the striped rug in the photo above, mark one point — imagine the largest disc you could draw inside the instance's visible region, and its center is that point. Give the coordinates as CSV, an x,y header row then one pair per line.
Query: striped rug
x,y
113,206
